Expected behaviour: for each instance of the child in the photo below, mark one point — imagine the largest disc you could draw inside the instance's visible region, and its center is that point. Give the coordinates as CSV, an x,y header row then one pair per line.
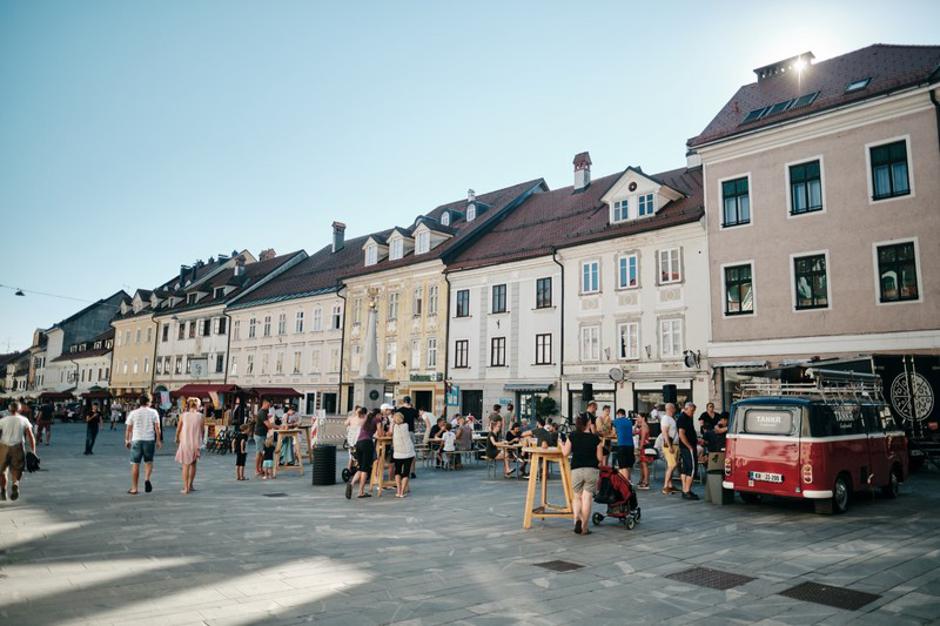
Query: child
x,y
268,464
449,438
240,448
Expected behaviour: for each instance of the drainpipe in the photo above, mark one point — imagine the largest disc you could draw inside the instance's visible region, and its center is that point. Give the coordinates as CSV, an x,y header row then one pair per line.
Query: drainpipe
x,y
561,338
228,344
153,364
446,351
342,349
936,108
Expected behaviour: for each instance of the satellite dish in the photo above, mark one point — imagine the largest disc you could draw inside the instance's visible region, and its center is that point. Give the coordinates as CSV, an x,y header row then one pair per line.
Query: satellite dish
x,y
616,374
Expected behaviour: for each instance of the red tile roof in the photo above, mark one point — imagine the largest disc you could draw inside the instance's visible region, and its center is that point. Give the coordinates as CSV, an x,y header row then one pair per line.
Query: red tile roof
x,y
565,217
890,68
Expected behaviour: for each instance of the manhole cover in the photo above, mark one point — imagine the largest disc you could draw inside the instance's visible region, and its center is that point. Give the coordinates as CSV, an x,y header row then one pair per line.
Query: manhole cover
x,y
559,566
711,578
275,495
838,597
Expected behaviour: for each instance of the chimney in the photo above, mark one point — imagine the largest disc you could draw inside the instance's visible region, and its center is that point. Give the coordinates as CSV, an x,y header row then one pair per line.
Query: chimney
x,y
239,266
471,195
267,255
582,170
339,236
793,65
183,270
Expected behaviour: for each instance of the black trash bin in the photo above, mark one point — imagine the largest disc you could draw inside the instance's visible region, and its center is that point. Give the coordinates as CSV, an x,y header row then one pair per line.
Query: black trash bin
x,y
324,465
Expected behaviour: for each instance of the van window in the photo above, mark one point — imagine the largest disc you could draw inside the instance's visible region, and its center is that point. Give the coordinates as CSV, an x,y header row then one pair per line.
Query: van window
x,y
888,421
769,421
833,420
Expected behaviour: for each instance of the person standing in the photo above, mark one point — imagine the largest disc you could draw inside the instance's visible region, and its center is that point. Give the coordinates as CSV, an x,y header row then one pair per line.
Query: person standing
x,y
587,453
626,454
493,416
404,453
115,415
238,413
410,414
590,414
708,418
688,441
264,422
15,431
642,431
45,422
365,453
240,447
140,436
189,434
668,435
92,423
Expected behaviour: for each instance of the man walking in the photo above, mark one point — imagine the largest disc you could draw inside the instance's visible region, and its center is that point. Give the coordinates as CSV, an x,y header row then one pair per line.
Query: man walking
x,y
92,422
15,430
45,422
667,423
688,440
141,436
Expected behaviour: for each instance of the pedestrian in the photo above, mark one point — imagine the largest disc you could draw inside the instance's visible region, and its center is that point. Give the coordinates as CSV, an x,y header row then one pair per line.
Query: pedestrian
x,y
587,454
642,431
668,438
141,434
189,434
708,418
45,422
291,420
240,448
410,415
404,453
264,422
688,442
590,414
92,423
626,454
267,464
238,413
115,415
365,453
15,431
494,415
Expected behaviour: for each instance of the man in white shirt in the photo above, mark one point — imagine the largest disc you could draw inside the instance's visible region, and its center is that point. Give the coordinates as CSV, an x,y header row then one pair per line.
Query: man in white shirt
x,y
142,435
15,430
669,434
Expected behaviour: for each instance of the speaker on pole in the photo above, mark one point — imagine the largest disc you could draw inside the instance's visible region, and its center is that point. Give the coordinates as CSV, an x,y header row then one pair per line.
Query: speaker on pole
x,y
587,392
670,394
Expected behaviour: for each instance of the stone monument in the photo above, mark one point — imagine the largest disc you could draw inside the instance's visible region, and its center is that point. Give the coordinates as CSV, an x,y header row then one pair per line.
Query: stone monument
x,y
369,385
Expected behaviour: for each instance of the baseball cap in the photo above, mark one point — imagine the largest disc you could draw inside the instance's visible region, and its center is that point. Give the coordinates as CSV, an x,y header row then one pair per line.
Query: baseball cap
x,y
385,407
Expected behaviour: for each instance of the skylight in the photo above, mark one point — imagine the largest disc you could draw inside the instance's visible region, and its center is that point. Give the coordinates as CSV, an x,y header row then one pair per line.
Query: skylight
x,y
780,107
753,115
803,101
855,85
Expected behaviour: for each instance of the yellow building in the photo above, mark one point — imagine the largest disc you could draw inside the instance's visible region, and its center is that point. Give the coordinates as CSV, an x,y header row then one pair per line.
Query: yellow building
x,y
135,335
404,269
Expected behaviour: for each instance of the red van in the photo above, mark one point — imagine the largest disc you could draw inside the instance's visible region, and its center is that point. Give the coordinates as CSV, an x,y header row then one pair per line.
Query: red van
x,y
807,441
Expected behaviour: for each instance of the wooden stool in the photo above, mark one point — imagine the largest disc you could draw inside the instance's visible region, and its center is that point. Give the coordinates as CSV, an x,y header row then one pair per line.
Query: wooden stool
x,y
378,480
540,458
294,435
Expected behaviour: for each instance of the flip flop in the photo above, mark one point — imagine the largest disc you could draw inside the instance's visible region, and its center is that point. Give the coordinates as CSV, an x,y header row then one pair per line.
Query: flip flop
x,y
131,493
366,495
577,527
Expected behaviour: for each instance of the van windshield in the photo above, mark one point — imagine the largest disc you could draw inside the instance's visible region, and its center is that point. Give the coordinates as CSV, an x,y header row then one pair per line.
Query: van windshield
x,y
767,420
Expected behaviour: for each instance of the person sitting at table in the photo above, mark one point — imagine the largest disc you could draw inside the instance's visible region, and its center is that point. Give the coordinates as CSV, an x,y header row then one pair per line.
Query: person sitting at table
x,y
448,444
514,436
464,440
544,438
493,451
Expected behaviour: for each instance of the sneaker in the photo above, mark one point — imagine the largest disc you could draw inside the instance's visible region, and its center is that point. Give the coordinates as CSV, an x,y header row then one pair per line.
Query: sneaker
x,y
349,491
693,496
148,487
3,495
690,495
14,492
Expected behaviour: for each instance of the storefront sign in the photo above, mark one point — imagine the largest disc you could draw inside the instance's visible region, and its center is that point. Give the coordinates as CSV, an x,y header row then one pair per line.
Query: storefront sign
x,y
453,395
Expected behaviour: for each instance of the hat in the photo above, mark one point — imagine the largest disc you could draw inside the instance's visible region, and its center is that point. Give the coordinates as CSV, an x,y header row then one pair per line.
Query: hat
x,y
385,407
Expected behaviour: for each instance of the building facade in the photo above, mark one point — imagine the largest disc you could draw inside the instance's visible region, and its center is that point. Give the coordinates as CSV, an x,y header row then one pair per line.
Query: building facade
x,y
87,366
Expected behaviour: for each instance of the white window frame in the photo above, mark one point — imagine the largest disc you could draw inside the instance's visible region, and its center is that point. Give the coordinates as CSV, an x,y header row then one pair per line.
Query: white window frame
x,y
299,322
822,183
650,204
798,255
250,368
336,317
372,254
233,365
620,259
874,256
423,242
279,363
597,263
417,301
750,201
633,355
266,326
673,322
471,212
910,169
445,218
432,353
391,354
620,208
282,324
587,343
724,290
392,306
317,320
432,300
659,265
396,248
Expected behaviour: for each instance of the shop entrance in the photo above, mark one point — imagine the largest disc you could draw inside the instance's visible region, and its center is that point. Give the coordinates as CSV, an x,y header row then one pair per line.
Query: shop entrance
x,y
424,400
645,401
471,403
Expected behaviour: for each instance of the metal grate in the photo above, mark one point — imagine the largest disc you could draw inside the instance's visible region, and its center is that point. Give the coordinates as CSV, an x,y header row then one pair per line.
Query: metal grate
x,y
711,578
559,566
838,597
278,494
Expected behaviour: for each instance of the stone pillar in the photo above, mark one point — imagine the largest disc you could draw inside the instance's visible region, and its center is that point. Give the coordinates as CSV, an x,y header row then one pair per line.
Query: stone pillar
x,y
369,387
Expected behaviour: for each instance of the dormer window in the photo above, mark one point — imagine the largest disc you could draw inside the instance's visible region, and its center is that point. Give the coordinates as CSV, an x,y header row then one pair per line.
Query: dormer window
x,y
471,212
372,254
191,298
97,345
445,218
621,211
423,242
397,249
219,292
646,205
110,344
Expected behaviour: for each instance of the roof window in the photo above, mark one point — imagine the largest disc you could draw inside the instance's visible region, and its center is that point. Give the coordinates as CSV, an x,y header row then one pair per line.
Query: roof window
x,y
856,85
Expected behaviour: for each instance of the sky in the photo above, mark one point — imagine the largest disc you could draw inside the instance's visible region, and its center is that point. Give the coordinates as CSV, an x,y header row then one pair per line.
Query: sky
x,y
137,136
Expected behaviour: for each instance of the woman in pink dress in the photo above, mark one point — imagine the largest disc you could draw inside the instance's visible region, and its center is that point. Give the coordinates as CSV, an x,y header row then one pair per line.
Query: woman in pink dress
x,y
189,433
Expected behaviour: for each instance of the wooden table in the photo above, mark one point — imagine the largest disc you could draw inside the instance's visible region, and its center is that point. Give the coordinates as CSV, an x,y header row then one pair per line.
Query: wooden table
x,y
294,434
378,480
540,458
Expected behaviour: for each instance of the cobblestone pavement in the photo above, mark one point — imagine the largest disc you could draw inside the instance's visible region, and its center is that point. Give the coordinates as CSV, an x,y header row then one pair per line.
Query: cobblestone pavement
x,y
75,549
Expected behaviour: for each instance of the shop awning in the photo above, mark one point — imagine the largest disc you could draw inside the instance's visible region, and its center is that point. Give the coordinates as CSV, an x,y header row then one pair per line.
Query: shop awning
x,y
528,387
275,392
96,394
56,395
203,390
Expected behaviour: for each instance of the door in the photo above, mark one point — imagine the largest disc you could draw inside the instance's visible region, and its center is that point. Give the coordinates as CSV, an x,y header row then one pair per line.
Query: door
x,y
424,400
471,403
329,403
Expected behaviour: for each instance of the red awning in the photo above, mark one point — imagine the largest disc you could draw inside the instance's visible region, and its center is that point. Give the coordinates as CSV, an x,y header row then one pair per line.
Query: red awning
x,y
56,395
96,394
275,392
202,391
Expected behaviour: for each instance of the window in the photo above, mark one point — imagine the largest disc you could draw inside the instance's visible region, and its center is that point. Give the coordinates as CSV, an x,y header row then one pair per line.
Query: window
x,y
629,335
471,212
646,205
279,363
543,293
423,242
372,254
590,277
149,334
889,177
219,292
222,321
357,311
627,272
416,302
296,369
669,269
166,332
812,289
856,85
317,319
621,210
178,369
315,361
137,336
897,272
463,303
299,322
127,337
543,349
445,218
181,334
498,352
282,324
264,363
391,354
192,329
397,249
739,290
670,338
591,343
461,353
432,352
219,363
191,298
267,326
250,368
498,302
252,326
158,366
334,360
233,366
393,306
124,367
432,300
415,354
736,202
805,188
134,369
206,327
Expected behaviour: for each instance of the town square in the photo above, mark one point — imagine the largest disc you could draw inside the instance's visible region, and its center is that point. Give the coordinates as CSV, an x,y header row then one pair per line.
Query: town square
x,y
488,313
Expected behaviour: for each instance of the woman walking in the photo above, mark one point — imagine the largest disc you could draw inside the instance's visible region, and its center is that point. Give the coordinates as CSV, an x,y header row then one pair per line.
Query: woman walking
x,y
587,453
404,453
189,434
642,430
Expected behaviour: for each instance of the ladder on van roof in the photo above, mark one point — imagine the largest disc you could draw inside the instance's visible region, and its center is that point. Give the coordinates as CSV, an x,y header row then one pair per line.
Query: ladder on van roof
x,y
830,386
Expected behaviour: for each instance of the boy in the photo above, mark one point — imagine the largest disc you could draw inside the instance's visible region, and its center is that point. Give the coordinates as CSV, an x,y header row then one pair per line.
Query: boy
x,y
268,456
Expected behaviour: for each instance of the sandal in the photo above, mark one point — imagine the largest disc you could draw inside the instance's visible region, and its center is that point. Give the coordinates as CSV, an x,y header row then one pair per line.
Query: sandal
x,y
365,495
131,493
577,527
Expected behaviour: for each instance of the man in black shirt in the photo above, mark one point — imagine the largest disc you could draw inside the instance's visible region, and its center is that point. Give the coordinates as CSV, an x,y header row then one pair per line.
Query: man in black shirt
x,y
688,441
708,418
410,414
591,415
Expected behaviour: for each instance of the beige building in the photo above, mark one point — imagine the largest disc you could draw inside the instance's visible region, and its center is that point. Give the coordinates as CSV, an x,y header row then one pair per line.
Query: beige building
x,y
821,187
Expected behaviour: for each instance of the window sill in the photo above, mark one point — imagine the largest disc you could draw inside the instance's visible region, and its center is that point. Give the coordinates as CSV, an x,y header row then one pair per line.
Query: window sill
x,y
736,224
589,293
545,308
671,283
738,314
890,196
500,312
800,309
461,367
462,317
498,366
806,212
634,288
541,364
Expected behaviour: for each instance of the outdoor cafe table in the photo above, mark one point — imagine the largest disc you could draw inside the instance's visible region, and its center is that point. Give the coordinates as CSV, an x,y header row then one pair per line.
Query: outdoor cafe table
x,y
540,458
294,434
378,480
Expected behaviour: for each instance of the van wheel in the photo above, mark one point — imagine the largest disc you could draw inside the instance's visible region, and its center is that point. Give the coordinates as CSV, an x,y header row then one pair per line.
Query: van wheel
x,y
894,484
841,494
750,498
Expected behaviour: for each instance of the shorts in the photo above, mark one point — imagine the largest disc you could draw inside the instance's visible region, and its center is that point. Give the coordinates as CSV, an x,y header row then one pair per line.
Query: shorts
x,y
584,479
142,449
365,455
259,443
686,461
626,457
13,457
403,467
669,455
240,458
269,464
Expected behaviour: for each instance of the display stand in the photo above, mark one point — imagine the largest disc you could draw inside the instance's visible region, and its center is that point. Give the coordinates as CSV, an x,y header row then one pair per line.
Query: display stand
x,y
294,435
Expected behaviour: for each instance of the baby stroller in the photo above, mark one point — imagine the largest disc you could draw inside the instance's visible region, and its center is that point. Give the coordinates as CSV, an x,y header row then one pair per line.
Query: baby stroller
x,y
349,443
617,493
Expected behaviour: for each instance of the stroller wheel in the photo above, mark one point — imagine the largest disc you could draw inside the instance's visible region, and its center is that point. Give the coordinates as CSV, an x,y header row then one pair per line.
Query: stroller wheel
x,y
345,445
597,518
346,475
630,524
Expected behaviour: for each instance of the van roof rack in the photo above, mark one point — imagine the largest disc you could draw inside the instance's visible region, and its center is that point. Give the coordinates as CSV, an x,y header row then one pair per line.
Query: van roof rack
x,y
819,383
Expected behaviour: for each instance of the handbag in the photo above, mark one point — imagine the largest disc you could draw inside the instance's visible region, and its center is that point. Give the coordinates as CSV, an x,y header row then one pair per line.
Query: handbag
x,y
32,462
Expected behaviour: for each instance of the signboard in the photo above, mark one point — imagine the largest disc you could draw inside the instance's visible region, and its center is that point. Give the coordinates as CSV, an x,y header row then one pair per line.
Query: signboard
x,y
199,368
453,395
426,378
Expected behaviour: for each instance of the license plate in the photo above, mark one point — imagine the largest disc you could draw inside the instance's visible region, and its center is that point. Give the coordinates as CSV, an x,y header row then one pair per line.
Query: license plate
x,y
766,477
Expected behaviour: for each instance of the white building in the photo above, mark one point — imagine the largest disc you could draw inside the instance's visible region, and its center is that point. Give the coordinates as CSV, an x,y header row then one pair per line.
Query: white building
x,y
87,365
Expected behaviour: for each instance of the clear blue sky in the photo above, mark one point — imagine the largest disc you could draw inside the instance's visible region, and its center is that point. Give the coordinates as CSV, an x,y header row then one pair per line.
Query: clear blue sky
x,y
135,136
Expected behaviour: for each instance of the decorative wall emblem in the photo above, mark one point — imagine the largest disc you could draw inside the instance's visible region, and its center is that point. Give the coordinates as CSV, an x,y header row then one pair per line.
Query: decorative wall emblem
x,y
917,407
670,295
628,299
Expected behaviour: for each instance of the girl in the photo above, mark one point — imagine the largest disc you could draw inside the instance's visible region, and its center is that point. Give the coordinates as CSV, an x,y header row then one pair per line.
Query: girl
x,y
642,431
404,453
240,448
268,464
189,432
